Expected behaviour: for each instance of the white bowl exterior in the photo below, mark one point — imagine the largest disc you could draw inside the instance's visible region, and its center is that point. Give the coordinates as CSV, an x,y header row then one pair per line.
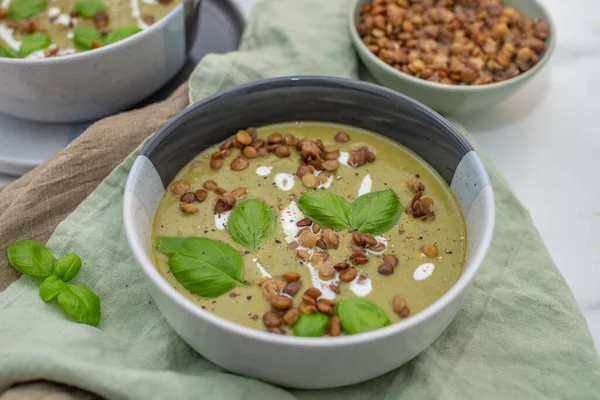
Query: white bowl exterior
x,y
308,363
97,83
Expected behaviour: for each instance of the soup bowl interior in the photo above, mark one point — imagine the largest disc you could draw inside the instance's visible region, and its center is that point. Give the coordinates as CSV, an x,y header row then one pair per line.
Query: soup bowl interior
x,y
308,362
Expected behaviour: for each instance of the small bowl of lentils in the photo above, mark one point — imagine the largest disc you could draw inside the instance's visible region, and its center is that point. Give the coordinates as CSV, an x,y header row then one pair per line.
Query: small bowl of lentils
x,y
456,56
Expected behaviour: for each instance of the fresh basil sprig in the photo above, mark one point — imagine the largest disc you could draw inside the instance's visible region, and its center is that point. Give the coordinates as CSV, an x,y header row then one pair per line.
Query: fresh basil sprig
x,y
34,42
374,213
326,208
119,34
360,315
34,259
81,304
7,52
31,258
20,10
205,267
51,287
67,267
312,325
88,8
252,223
83,36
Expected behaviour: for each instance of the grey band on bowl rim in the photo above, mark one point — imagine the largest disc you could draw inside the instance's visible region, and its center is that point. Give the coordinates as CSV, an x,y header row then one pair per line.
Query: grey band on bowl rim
x,y
307,98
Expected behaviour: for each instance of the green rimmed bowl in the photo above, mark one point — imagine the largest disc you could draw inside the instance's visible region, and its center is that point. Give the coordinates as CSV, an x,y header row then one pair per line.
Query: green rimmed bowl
x,y
452,99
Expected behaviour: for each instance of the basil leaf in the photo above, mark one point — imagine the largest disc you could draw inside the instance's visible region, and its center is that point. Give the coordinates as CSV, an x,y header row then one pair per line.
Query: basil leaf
x,y
34,42
375,212
88,8
311,324
7,52
171,245
81,304
203,266
83,37
252,223
360,315
20,10
51,287
120,34
67,267
31,258
327,209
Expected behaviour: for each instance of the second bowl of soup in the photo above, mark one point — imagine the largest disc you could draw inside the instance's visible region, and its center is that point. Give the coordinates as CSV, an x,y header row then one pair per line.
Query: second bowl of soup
x,y
326,220
70,61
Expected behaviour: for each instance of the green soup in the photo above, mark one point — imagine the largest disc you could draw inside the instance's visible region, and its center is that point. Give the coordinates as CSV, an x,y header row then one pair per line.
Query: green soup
x,y
428,241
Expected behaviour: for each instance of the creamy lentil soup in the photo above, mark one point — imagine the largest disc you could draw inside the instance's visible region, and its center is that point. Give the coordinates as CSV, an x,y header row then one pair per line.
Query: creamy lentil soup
x,y
47,28
337,231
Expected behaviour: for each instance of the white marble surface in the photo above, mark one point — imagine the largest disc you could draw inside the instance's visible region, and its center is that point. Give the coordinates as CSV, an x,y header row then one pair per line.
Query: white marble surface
x,y
544,141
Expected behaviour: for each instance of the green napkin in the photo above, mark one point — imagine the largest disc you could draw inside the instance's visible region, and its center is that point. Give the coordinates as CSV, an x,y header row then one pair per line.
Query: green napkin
x,y
519,334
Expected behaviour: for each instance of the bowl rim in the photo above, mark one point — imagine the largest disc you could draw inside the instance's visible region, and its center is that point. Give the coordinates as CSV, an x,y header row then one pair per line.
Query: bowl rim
x,y
165,289
362,48
113,47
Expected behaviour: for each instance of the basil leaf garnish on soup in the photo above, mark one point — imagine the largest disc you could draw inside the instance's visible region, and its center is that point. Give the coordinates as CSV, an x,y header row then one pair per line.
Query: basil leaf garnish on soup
x,y
7,52
120,34
20,10
83,37
375,212
81,304
325,208
360,315
205,267
252,223
87,9
51,287
34,42
313,325
31,258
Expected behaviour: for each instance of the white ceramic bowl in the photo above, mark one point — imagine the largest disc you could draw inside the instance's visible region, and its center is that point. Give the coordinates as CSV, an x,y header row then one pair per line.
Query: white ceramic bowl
x,y
93,84
287,360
